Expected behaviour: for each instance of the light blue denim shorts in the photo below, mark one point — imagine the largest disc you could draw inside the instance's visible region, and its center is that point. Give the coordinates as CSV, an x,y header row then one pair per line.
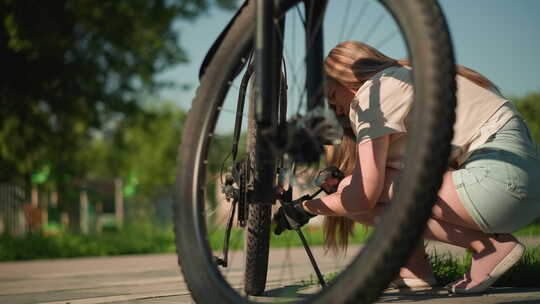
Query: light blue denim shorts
x,y
499,184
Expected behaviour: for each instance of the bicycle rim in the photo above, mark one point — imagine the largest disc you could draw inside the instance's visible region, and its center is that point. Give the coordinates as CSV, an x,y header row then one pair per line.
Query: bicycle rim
x,y
428,45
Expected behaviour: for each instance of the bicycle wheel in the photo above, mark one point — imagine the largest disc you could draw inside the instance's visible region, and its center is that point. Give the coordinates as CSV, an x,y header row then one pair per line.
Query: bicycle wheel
x,y
257,232
428,44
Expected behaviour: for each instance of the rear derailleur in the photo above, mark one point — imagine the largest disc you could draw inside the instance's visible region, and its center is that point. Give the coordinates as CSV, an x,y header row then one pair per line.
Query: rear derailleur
x,y
237,189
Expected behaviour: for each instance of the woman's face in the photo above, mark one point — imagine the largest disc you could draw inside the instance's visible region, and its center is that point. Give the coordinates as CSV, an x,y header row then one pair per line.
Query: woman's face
x,y
340,97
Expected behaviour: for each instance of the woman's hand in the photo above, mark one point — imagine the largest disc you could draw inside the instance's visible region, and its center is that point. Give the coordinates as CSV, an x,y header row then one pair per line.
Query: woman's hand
x,y
360,192
329,179
291,216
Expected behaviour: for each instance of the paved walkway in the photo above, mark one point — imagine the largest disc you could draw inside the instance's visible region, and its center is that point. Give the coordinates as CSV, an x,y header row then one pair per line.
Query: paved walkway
x,y
156,279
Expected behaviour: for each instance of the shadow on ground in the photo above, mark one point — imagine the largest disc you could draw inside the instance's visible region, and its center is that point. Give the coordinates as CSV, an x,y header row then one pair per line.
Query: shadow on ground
x,y
498,295
286,293
407,295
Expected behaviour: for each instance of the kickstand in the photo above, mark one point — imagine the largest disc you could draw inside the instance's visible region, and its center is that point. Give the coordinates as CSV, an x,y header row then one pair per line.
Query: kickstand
x,y
311,258
308,251
224,261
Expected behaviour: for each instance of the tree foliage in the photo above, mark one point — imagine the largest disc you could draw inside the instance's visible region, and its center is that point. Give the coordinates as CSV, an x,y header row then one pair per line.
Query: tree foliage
x,y
142,147
69,66
529,107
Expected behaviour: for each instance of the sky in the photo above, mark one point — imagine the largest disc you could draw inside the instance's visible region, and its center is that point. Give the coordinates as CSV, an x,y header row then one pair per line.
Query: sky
x,y
499,38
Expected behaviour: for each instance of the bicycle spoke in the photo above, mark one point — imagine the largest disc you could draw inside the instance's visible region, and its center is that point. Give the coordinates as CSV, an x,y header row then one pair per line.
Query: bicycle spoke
x,y
374,27
302,18
357,20
385,40
291,59
345,18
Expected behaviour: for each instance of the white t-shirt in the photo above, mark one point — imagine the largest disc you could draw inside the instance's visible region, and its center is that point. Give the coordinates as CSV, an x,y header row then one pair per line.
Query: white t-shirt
x,y
382,104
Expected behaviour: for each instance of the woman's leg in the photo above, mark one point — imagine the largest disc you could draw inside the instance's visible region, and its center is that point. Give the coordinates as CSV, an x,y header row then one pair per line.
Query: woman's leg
x,y
417,266
450,223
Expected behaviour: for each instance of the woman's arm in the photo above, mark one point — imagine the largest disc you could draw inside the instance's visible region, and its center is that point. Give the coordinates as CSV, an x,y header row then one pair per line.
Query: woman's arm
x,y
366,183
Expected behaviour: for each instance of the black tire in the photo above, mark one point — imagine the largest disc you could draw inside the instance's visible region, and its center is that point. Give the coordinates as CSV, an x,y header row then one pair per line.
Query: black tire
x,y
257,248
428,41
257,232
259,216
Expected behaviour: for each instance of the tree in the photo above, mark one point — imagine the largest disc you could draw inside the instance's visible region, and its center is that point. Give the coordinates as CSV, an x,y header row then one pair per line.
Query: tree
x,y
529,107
143,146
69,66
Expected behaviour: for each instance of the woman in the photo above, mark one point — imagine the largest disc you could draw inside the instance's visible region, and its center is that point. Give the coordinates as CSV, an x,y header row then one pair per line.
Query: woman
x,y
487,193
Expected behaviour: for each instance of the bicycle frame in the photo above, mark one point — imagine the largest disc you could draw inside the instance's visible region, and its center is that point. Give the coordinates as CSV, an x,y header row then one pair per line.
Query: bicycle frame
x,y
314,61
268,57
268,53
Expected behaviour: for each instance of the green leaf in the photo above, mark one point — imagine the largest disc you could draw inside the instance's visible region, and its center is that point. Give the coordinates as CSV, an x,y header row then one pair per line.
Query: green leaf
x,y
41,176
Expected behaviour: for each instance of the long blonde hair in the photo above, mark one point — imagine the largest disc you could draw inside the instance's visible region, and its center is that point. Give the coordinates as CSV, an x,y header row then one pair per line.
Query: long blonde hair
x,y
350,64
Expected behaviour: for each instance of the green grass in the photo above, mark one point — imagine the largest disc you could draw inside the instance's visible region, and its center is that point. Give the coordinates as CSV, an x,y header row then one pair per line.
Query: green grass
x,y
313,234
448,268
314,280
146,238
531,230
315,237
134,239
525,273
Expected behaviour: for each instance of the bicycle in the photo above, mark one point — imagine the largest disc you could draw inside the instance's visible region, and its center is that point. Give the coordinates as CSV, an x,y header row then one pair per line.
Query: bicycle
x,y
248,179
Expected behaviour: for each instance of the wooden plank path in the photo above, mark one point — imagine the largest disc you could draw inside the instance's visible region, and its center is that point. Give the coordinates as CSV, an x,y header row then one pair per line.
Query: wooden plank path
x,y
156,279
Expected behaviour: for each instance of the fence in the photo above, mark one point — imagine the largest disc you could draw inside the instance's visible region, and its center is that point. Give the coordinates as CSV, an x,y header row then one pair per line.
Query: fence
x,y
12,214
87,207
